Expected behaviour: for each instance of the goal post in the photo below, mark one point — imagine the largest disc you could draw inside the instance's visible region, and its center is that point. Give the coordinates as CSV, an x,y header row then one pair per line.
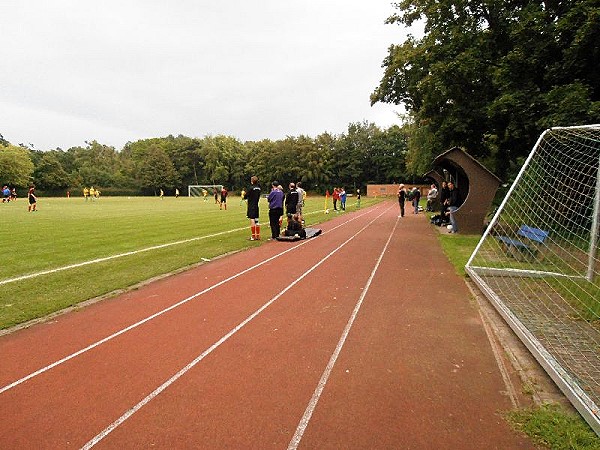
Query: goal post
x,y
538,261
197,190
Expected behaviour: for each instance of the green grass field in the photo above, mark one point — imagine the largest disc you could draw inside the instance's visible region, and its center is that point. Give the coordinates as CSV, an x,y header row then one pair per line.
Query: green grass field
x,y
66,232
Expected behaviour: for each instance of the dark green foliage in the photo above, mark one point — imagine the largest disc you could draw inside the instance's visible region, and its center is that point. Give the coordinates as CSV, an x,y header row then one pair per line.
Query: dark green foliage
x,y
491,76
365,154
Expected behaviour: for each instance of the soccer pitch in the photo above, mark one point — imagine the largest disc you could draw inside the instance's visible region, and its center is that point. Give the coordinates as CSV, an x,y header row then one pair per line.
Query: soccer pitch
x,y
72,250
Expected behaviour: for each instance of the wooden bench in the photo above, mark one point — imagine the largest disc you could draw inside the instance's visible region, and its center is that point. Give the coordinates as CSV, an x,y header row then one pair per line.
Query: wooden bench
x,y
533,238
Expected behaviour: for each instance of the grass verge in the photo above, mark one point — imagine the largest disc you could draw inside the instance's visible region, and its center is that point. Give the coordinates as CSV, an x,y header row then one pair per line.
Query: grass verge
x,y
548,425
552,427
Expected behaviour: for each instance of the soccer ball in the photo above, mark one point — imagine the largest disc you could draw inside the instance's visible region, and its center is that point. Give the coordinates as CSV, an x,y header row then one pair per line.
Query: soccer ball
x,y
449,227
327,211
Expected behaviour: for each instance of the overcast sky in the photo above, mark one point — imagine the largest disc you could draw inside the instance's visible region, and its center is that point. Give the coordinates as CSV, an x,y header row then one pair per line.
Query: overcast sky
x,y
118,71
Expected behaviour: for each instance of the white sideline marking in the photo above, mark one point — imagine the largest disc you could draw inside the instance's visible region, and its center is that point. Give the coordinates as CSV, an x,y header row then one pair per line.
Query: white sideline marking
x,y
159,313
213,347
108,258
120,255
329,368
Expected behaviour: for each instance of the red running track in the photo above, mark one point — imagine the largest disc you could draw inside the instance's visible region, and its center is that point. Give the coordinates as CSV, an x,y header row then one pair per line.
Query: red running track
x,y
360,338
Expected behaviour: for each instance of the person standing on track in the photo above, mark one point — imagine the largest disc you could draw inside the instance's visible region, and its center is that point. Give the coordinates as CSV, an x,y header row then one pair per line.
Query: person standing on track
x,y
253,196
275,200
401,199
415,200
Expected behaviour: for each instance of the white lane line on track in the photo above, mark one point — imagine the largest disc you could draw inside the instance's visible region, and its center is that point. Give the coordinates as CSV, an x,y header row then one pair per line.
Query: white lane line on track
x,y
213,347
160,313
329,368
120,255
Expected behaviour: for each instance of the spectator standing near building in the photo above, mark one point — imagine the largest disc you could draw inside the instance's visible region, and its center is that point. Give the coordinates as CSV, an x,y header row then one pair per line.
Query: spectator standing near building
x,y
453,202
416,197
253,196
443,197
275,200
401,199
358,198
431,197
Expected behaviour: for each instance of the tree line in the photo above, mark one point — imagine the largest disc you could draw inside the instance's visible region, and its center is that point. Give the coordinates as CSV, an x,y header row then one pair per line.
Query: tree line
x,y
363,154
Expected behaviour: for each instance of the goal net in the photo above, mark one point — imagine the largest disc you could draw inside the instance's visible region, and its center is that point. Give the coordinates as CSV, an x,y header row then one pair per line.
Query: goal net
x,y
197,190
538,261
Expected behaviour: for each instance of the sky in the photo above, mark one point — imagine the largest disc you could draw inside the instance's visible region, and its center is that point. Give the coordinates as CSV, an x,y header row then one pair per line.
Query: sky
x,y
116,71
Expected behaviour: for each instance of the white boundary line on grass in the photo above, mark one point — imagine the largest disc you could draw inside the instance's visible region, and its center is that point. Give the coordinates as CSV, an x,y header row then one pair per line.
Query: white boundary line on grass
x,y
338,349
160,313
120,255
96,439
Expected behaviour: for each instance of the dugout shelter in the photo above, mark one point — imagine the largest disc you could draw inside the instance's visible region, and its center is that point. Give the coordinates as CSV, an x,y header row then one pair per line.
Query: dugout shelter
x,y
476,184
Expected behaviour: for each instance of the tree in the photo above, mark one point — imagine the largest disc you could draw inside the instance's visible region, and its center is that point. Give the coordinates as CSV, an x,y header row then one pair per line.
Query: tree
x,y
489,76
49,173
16,167
155,170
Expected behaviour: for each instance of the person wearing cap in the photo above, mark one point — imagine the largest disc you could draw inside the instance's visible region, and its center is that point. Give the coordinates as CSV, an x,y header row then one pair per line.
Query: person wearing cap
x,y
275,200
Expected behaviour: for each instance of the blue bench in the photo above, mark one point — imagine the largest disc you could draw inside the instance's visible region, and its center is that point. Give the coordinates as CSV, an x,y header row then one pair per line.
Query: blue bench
x,y
533,238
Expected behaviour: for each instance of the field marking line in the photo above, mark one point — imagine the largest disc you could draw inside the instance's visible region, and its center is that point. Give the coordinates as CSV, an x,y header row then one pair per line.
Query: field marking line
x,y
160,313
338,349
120,255
96,439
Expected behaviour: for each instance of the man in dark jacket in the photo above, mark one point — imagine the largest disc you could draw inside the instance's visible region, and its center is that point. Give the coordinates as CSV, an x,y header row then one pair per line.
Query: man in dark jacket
x,y
453,202
291,201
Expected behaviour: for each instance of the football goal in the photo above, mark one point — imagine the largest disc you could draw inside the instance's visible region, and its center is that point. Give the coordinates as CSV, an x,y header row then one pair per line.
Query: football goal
x,y
197,190
538,261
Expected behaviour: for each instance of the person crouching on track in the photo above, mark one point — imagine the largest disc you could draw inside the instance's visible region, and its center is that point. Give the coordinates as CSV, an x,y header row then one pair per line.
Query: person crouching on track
x,y
295,228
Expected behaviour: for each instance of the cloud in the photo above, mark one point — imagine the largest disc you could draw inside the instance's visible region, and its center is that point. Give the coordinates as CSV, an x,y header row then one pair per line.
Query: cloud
x,y
118,71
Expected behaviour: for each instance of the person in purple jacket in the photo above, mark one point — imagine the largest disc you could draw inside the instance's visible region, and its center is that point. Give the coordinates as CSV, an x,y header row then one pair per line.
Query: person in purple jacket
x,y
275,200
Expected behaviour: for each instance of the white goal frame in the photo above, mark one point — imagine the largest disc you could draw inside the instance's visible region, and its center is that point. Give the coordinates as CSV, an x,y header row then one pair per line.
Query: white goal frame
x,y
541,289
197,188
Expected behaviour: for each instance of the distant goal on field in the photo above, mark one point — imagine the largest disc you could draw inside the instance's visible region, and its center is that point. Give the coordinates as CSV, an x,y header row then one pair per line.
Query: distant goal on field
x,y
197,190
